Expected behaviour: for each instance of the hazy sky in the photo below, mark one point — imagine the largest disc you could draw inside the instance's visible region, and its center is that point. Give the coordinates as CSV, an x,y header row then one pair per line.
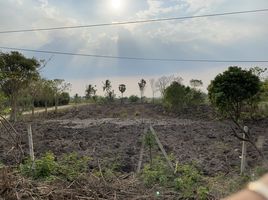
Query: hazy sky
x,y
236,37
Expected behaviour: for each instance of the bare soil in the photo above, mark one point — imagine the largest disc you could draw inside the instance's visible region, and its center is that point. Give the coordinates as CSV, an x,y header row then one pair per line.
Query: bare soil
x,y
112,133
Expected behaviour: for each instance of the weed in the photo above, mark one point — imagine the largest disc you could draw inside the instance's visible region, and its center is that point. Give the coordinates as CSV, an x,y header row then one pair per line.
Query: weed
x,y
69,167
157,173
43,168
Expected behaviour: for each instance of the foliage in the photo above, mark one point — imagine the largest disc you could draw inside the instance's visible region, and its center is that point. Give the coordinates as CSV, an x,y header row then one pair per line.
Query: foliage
x,y
178,96
163,82
42,168
69,167
232,90
64,98
16,71
149,142
189,182
157,173
133,98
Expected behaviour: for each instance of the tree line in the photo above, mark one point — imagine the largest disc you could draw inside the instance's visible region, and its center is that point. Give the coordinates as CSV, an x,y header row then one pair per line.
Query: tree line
x,y
21,85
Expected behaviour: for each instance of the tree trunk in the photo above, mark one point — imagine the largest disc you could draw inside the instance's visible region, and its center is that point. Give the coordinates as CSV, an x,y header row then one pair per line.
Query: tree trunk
x,y
56,103
13,114
32,108
46,107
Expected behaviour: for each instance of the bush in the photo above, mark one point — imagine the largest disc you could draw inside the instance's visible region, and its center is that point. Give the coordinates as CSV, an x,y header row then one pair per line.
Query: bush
x,y
69,167
42,168
157,173
178,96
189,182
133,98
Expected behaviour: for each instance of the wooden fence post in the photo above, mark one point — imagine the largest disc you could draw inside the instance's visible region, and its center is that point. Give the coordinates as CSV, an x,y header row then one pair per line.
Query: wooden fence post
x,y
30,140
162,148
141,151
244,152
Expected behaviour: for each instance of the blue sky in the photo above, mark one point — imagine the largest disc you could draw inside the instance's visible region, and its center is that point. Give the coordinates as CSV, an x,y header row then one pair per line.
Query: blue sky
x,y
230,37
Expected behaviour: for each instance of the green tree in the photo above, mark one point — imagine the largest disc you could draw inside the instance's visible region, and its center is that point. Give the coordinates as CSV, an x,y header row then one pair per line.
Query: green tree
x,y
122,89
16,72
231,91
178,96
142,85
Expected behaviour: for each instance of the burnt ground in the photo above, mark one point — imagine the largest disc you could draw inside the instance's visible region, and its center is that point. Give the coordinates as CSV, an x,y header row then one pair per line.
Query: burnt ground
x,y
112,133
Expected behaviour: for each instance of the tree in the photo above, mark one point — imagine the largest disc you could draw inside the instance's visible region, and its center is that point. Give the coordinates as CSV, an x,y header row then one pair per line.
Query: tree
x,y
195,83
163,82
90,91
142,85
59,86
177,96
122,89
16,72
47,92
231,90
153,87
108,88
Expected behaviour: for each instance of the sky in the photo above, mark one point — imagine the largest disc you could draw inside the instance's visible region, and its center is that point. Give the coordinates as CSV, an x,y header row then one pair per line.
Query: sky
x,y
234,37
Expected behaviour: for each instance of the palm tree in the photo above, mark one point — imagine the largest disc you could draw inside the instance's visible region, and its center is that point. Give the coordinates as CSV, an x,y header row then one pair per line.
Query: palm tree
x,y
142,85
122,89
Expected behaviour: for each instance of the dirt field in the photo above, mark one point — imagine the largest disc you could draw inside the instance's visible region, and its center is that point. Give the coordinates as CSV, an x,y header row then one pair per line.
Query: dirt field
x,y
112,133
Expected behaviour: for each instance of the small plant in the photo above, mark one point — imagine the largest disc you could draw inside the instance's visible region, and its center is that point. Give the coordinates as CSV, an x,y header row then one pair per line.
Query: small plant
x,y
150,143
71,166
157,173
43,168
189,182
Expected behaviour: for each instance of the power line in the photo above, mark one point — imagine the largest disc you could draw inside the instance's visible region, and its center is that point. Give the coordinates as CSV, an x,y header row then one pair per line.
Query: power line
x,y
134,22
136,58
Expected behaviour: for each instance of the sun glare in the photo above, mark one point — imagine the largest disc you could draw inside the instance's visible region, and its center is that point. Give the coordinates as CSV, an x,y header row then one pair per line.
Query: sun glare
x,y
116,4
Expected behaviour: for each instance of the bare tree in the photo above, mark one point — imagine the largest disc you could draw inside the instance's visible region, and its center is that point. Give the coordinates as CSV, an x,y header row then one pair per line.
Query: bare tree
x,y
153,87
163,82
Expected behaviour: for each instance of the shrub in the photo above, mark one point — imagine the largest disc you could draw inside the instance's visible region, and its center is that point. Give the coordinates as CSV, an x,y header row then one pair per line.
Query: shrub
x,y
157,173
189,182
133,98
42,168
178,96
69,167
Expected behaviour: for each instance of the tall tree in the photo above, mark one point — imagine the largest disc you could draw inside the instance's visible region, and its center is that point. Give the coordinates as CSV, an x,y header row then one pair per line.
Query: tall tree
x,y
122,89
142,85
16,72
